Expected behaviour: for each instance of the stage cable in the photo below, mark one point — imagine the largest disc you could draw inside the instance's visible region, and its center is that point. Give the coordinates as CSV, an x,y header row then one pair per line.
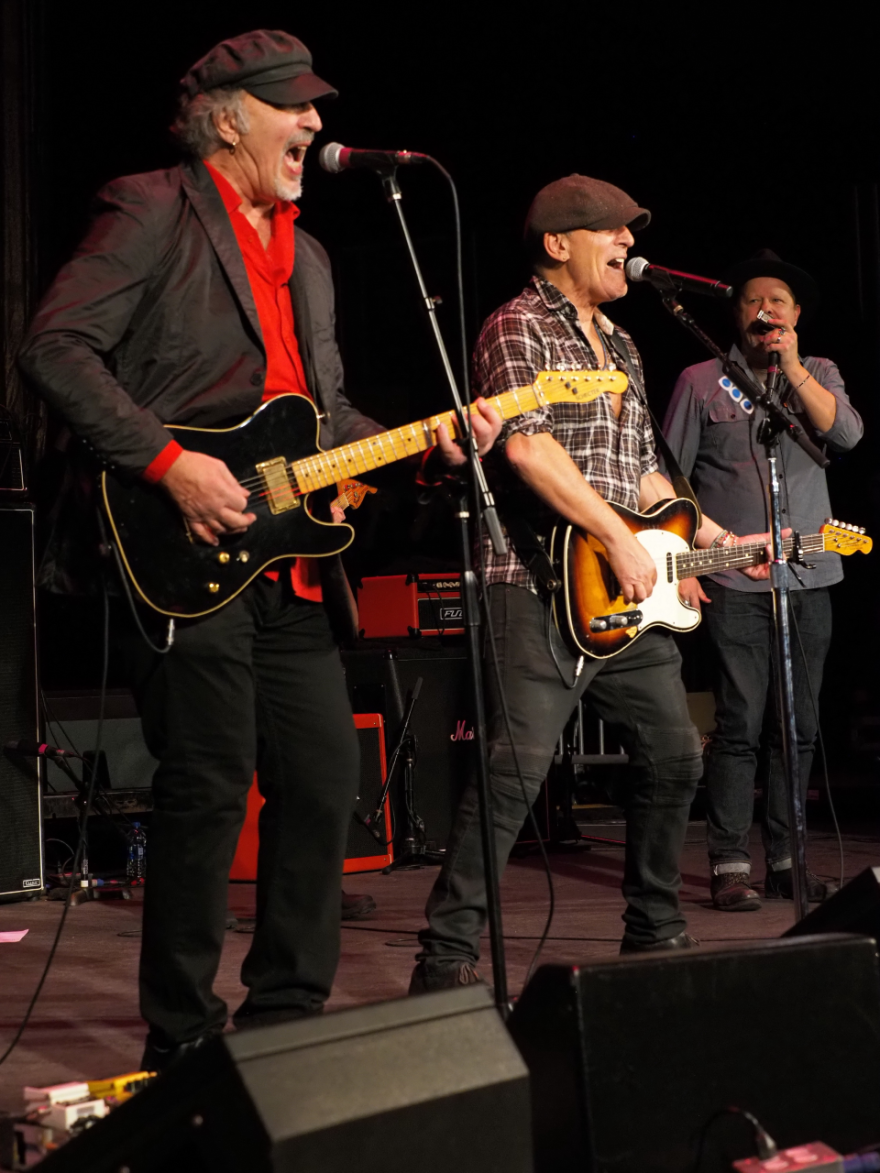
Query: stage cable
x,y
77,859
813,698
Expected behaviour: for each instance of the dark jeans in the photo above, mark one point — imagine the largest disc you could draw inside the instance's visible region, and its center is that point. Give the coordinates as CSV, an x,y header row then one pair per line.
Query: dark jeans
x,y
640,692
740,625
258,685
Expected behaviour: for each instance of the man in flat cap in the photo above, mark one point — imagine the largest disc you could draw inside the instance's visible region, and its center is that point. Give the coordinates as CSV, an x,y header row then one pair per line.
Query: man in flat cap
x,y
712,431
570,461
184,305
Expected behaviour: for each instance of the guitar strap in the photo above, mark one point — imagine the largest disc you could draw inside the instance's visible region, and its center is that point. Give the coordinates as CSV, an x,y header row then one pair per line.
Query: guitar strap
x,y
680,482
530,551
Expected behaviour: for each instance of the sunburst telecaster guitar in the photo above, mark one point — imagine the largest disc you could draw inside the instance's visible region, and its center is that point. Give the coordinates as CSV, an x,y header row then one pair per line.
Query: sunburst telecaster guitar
x,y
275,455
589,609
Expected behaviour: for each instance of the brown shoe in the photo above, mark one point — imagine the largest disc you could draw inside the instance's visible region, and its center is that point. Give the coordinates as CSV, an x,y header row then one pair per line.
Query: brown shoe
x,y
443,975
731,893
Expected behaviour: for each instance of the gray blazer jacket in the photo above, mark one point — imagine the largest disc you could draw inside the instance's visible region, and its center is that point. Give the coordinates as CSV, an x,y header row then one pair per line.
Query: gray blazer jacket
x,y
152,321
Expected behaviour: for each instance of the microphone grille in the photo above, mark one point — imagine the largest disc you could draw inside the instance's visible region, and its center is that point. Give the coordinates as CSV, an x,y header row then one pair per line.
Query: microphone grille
x,y
330,157
635,268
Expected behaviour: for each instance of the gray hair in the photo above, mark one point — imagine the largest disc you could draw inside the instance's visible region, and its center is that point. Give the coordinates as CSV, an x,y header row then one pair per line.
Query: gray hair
x,y
195,128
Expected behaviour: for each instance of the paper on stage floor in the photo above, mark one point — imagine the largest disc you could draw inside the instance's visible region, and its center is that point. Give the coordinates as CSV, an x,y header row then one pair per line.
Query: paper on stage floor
x,y
14,936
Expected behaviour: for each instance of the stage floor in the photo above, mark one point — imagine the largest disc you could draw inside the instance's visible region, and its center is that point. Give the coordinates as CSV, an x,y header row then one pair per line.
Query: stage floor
x,y
86,1024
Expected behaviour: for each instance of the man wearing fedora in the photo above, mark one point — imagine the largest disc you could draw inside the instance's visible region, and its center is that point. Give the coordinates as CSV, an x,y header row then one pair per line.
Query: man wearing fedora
x,y
712,430
192,300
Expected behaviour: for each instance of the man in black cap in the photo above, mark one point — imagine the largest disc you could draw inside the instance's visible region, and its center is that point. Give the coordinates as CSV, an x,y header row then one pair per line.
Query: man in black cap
x,y
570,460
712,430
184,305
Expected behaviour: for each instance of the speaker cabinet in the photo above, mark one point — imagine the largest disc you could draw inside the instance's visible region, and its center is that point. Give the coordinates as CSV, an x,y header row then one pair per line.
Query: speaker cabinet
x,y
379,681
854,909
21,839
431,1083
630,1059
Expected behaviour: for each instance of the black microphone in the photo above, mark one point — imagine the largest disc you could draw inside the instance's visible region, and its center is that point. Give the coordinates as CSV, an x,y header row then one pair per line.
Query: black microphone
x,y
37,749
335,158
670,280
772,371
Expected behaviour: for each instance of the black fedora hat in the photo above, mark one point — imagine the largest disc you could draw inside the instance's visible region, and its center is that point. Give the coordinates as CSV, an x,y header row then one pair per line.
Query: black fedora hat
x,y
765,263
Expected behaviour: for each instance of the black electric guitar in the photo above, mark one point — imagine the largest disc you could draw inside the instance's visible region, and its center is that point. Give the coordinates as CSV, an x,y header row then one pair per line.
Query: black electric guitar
x,y
275,454
589,609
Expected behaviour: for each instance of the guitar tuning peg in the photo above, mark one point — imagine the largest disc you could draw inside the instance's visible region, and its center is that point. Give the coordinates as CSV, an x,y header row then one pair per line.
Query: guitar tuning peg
x,y
861,529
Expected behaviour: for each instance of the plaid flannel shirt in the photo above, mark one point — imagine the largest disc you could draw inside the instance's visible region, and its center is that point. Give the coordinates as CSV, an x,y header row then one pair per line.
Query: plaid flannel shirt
x,y
537,331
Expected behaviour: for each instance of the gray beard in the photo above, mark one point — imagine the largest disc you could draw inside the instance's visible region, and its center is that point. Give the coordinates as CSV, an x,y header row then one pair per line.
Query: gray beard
x,y
288,191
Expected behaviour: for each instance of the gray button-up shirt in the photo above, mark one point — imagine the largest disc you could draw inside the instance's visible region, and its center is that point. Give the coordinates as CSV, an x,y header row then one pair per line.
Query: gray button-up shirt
x,y
714,439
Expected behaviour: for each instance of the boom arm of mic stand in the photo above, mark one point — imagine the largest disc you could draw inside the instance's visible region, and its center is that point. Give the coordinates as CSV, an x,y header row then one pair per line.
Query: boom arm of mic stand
x,y
779,421
485,498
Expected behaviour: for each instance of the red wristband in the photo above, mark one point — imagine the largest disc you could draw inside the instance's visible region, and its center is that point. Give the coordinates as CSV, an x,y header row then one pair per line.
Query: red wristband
x,y
160,464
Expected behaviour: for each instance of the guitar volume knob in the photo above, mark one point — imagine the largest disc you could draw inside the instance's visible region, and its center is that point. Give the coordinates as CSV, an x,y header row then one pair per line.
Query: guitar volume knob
x,y
213,587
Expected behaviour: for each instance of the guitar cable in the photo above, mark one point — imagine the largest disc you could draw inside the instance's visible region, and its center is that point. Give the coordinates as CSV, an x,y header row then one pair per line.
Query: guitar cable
x,y
87,809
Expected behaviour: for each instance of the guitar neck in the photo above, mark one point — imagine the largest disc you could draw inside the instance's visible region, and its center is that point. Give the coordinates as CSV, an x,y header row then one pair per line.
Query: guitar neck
x,y
697,562
329,468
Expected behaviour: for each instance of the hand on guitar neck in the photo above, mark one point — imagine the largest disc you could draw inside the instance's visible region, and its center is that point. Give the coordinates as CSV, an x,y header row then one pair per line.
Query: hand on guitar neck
x,y
693,594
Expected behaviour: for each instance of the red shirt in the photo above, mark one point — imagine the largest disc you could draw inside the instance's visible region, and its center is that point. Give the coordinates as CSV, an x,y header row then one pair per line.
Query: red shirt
x,y
269,270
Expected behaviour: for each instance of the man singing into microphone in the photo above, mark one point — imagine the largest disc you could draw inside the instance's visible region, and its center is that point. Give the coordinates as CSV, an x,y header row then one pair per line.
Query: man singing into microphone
x,y
184,304
571,460
712,431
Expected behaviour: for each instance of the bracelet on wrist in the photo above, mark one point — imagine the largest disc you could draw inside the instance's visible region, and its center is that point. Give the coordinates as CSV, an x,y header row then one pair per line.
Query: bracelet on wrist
x,y
723,538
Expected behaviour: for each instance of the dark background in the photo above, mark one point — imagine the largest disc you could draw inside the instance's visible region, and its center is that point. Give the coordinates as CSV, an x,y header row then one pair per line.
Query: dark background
x,y
739,126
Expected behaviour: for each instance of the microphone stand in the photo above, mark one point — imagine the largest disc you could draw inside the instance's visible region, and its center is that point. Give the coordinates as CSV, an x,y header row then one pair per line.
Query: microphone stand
x,y
484,503
775,424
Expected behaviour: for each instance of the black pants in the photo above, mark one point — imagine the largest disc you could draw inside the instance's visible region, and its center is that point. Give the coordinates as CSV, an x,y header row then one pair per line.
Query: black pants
x,y
742,631
258,685
640,692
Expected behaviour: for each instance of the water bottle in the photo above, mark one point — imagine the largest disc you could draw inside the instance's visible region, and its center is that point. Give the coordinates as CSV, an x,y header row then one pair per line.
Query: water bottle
x,y
136,867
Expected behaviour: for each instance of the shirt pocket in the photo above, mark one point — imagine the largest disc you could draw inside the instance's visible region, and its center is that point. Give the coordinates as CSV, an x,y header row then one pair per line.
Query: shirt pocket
x,y
727,431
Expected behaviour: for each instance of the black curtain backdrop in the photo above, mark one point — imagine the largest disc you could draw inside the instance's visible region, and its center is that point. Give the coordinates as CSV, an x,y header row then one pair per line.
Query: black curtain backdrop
x,y
739,126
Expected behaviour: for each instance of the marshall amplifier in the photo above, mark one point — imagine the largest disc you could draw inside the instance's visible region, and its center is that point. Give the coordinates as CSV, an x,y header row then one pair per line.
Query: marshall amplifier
x,y
399,605
380,679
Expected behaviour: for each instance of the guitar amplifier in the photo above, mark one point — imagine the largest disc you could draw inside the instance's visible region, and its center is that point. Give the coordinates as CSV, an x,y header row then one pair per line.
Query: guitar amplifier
x,y
363,853
395,605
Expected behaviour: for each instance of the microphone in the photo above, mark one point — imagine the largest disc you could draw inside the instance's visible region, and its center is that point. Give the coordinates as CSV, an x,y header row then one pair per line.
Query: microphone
x,y
334,157
669,280
37,749
772,371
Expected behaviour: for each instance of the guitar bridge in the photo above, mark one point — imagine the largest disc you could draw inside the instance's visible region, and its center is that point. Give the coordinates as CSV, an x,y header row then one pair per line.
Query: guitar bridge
x,y
280,491
620,619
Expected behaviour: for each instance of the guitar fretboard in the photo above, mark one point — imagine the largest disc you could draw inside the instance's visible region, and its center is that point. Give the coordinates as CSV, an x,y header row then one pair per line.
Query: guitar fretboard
x,y
697,562
328,468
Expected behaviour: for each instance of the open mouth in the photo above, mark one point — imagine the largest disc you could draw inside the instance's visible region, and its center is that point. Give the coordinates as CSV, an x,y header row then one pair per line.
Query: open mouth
x,y
617,263
295,154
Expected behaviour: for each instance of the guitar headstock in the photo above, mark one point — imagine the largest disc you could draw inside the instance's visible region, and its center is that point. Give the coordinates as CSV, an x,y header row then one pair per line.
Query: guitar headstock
x,y
581,386
845,539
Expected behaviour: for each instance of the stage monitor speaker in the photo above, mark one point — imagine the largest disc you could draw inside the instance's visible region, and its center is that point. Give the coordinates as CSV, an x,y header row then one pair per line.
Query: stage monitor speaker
x,y
442,722
21,837
854,909
432,1083
634,1060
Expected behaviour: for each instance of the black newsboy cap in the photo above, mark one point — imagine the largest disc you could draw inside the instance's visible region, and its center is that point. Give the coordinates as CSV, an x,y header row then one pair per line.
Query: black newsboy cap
x,y
269,63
